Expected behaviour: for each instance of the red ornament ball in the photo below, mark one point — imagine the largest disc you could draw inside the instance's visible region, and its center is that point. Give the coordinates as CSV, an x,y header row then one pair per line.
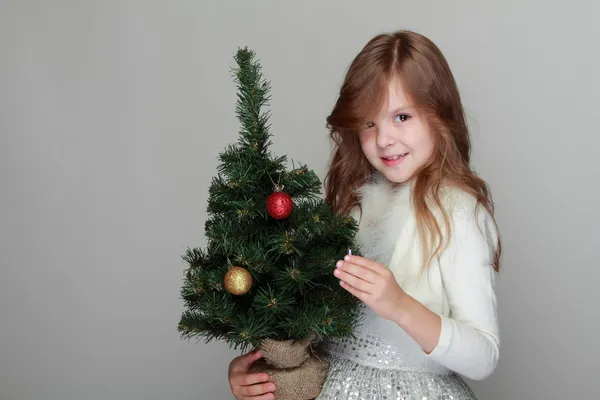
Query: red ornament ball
x,y
279,205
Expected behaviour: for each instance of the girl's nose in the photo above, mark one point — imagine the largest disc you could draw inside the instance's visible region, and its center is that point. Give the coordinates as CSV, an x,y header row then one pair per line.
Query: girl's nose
x,y
385,138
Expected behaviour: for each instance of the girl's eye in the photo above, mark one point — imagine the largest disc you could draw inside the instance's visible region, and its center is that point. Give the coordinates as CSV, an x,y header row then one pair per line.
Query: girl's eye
x,y
370,124
401,118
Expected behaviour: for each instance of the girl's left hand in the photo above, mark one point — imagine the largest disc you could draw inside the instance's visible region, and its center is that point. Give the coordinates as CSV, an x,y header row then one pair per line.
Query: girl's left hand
x,y
372,283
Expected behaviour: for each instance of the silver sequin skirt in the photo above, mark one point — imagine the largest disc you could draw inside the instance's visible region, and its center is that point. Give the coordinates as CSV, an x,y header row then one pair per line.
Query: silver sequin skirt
x,y
348,380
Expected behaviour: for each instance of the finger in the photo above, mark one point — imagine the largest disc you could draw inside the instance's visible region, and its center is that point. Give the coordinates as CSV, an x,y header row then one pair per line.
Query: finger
x,y
353,281
355,292
257,390
244,362
267,396
365,262
358,270
249,379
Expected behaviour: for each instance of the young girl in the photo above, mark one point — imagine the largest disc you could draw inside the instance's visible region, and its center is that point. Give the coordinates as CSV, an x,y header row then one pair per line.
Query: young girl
x,y
430,244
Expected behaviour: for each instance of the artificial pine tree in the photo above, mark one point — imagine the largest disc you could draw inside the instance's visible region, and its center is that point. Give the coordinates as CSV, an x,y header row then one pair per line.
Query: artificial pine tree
x,y
265,276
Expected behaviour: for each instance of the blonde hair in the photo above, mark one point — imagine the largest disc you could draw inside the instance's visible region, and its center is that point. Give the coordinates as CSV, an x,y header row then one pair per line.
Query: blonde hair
x,y
425,75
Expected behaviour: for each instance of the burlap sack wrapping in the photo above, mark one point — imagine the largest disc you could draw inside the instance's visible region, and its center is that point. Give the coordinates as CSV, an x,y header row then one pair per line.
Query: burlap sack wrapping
x,y
297,370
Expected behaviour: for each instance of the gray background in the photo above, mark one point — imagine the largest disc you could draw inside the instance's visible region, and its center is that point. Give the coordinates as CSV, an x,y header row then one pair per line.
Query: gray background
x,y
112,114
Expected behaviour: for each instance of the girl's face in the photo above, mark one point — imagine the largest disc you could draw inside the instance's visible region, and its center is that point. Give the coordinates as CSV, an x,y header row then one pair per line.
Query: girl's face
x,y
398,141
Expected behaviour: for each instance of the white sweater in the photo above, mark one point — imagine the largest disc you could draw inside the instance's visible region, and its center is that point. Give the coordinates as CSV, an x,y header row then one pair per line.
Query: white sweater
x,y
459,286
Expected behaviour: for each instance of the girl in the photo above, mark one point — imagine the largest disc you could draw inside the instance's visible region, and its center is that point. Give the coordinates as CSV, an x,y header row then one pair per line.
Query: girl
x,y
430,244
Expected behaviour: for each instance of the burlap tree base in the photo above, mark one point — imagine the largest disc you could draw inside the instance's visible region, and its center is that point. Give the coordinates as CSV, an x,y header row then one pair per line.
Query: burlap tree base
x,y
297,370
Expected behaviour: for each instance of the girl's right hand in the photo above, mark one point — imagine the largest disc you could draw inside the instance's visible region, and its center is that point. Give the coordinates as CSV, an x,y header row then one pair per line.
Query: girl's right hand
x,y
246,386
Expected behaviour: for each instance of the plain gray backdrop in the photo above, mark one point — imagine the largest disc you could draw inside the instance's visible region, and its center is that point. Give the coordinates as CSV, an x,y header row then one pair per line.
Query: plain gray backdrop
x,y
112,114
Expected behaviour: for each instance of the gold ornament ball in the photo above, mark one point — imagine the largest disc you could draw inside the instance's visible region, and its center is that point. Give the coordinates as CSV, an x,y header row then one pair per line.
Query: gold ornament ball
x,y
238,280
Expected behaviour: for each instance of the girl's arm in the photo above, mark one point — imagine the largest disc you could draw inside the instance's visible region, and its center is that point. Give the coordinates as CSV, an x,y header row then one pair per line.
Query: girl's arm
x,y
422,324
468,340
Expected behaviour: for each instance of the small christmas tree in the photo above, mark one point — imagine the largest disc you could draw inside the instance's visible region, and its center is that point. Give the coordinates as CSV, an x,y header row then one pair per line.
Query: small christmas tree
x,y
266,274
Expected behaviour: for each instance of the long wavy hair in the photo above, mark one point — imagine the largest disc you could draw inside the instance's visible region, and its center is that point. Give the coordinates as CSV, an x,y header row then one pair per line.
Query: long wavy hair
x,y
425,75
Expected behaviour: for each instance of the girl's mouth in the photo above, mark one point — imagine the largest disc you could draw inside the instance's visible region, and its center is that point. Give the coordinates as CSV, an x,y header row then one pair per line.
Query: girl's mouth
x,y
393,160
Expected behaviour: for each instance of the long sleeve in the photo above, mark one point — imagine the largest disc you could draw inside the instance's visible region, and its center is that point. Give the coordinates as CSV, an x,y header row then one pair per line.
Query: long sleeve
x,y
469,340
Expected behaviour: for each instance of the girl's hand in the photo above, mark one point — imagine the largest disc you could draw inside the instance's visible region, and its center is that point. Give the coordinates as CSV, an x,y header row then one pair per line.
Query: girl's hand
x,y
372,283
245,386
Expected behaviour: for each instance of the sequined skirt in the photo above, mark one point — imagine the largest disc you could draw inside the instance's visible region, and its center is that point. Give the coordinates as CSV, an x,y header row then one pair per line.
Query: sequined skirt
x,y
349,380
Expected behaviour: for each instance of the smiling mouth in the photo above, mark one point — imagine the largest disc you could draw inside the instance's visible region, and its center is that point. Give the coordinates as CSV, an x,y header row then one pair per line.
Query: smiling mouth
x,y
394,158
